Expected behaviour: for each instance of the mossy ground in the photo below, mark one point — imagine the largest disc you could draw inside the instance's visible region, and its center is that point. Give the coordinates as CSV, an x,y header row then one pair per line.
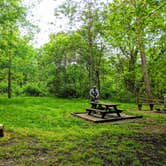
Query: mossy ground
x,y
42,131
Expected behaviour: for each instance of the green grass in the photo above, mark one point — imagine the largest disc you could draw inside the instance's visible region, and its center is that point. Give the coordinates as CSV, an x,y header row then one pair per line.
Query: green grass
x,y
42,131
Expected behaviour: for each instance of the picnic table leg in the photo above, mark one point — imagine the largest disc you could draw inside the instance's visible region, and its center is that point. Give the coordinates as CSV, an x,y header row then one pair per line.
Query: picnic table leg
x,y
100,106
117,111
151,106
103,115
94,105
107,108
139,106
89,112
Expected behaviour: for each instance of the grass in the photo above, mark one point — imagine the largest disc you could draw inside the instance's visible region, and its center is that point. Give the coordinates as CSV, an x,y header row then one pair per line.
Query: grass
x,y
42,131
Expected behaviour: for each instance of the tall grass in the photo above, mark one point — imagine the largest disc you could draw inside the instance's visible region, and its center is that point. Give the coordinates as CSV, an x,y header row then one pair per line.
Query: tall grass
x,y
46,123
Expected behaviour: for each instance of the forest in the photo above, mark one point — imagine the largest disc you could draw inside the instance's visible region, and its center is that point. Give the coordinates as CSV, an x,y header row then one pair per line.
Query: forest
x,y
46,117
119,46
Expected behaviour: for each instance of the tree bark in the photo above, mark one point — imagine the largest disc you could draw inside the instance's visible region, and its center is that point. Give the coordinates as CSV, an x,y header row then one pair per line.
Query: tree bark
x,y
139,30
90,42
98,79
9,76
144,67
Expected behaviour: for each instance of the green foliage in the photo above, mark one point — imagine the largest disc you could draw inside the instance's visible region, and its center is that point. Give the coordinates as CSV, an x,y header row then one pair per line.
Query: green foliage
x,y
128,25
106,93
17,90
62,65
124,95
67,91
3,88
103,50
13,47
32,90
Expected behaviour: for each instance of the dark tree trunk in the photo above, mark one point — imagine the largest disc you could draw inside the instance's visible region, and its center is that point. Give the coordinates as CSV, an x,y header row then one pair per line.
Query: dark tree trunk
x,y
98,79
9,78
90,60
90,45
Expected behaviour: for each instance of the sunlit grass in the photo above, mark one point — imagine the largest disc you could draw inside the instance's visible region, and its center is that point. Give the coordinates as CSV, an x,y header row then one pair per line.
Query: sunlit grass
x,y
43,131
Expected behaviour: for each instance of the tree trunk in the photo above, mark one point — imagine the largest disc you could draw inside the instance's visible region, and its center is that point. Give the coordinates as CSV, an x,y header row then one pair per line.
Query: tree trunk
x,y
144,67
90,70
139,29
98,79
90,45
90,58
65,68
9,76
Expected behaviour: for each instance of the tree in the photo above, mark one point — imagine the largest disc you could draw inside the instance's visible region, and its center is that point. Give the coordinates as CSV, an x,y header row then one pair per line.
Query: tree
x,y
61,62
12,15
86,14
128,27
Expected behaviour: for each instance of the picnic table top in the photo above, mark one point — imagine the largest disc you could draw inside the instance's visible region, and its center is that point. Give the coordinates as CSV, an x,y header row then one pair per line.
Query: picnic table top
x,y
106,104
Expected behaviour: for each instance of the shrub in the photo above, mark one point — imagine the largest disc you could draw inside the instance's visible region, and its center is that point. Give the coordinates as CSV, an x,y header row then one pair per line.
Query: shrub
x,y
67,91
3,88
105,93
17,90
125,96
32,90
121,95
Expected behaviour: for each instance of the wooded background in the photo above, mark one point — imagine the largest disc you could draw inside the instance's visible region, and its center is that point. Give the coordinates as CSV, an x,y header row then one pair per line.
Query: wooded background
x,y
119,46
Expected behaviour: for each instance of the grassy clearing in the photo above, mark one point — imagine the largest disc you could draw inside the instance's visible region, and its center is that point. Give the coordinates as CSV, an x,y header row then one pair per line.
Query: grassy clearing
x,y
42,131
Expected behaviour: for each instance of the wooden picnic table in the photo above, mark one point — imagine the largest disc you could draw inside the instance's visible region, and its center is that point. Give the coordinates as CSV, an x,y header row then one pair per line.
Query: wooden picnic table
x,y
151,102
104,108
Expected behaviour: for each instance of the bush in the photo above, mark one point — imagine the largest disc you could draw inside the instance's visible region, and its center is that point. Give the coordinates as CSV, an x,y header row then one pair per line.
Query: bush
x,y
17,90
85,93
32,90
67,91
105,93
3,88
125,96
121,95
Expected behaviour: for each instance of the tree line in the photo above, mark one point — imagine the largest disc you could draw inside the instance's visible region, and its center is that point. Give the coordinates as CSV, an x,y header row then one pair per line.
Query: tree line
x,y
118,46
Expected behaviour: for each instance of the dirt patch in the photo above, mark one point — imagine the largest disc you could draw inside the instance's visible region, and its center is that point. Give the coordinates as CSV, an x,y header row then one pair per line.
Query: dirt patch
x,y
141,149
152,127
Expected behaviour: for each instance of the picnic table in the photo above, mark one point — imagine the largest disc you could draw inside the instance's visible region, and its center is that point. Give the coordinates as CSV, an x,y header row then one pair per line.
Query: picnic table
x,y
151,102
103,108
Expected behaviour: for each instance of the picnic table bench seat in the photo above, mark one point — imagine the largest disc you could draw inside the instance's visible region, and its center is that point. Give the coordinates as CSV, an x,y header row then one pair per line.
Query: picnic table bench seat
x,y
96,111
